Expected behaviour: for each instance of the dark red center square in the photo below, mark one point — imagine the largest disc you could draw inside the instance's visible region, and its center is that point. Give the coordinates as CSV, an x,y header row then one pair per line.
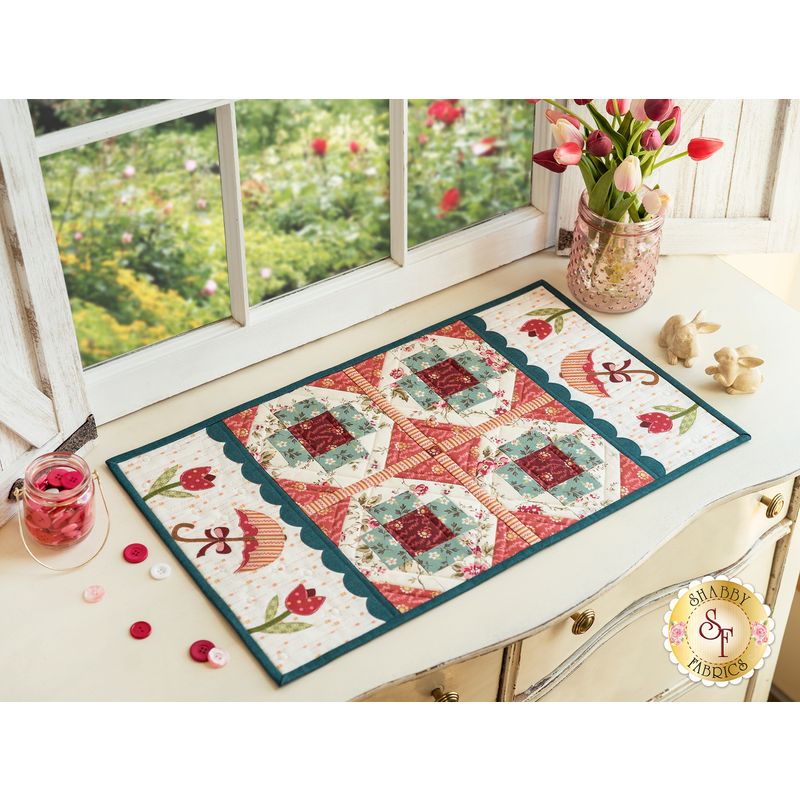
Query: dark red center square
x,y
419,531
549,466
321,434
447,378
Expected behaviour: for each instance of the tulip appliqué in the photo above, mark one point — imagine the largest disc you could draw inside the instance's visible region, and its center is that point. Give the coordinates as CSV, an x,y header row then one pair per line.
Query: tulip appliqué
x,y
541,328
195,480
300,601
659,422
578,371
263,539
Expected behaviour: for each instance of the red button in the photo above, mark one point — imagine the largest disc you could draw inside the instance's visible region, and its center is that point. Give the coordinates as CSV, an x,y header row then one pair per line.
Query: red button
x,y
69,480
54,477
141,630
135,553
199,650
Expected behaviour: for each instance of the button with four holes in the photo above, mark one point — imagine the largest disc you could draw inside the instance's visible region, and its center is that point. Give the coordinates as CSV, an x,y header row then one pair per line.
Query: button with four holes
x,y
217,657
160,571
141,630
134,553
200,649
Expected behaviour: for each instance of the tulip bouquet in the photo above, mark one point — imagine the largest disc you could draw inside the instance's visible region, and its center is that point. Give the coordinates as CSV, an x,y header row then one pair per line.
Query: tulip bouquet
x,y
617,154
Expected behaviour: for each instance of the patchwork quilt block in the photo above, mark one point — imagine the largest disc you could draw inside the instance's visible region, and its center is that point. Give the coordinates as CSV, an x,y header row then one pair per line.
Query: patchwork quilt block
x,y
326,513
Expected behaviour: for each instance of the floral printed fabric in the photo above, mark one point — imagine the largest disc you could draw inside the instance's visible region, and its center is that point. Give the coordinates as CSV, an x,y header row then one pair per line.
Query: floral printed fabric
x,y
324,514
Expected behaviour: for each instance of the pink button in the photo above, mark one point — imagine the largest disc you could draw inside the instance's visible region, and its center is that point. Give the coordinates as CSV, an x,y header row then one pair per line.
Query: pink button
x,y
69,480
54,477
141,630
135,553
200,649
217,657
94,594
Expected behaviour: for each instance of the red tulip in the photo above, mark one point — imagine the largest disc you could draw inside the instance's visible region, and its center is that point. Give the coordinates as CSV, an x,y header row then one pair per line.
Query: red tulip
x,y
676,131
568,153
658,110
537,328
354,147
622,105
702,148
449,201
545,159
303,602
486,147
197,478
651,139
655,422
319,146
534,101
599,144
582,102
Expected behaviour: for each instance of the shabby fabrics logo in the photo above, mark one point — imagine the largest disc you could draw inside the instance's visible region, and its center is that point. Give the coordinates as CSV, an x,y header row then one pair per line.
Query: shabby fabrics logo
x,y
718,631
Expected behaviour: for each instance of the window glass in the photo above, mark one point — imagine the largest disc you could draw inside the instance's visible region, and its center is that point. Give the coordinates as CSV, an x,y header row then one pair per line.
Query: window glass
x,y
138,221
468,160
315,189
53,115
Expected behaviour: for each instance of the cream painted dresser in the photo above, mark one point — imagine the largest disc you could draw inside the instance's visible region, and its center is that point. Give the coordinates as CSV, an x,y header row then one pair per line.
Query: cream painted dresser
x,y
511,638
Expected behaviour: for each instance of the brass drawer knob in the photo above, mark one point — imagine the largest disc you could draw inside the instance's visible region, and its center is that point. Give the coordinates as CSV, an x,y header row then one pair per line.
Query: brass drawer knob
x,y
774,505
583,621
441,696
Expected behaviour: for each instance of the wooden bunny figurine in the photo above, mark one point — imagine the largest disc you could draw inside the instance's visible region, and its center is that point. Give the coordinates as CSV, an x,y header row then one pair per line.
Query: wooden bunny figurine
x,y
679,336
737,370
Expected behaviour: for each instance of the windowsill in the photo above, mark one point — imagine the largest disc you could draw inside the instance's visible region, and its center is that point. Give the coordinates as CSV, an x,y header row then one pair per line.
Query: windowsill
x,y
613,546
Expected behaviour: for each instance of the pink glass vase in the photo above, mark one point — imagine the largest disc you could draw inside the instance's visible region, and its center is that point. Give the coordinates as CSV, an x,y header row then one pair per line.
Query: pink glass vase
x,y
612,265
58,500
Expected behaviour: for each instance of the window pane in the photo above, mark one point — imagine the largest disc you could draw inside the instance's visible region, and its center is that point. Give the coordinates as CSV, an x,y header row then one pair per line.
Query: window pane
x,y
138,220
315,189
468,160
53,115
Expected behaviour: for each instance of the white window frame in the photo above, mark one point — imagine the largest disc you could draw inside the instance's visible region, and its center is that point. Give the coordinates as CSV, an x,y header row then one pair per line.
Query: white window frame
x,y
131,381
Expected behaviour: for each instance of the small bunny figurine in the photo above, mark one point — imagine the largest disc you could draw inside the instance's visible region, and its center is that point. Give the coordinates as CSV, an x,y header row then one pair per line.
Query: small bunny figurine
x,y
737,370
679,336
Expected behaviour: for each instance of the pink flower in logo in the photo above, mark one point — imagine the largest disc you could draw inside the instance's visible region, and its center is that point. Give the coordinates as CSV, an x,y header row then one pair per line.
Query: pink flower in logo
x,y
677,632
760,632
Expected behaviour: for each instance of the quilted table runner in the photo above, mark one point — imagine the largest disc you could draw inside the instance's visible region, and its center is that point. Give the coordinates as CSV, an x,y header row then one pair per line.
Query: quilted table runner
x,y
326,513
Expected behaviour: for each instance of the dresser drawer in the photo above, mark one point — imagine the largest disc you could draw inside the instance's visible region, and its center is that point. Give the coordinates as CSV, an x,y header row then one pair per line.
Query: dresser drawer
x,y
475,680
622,657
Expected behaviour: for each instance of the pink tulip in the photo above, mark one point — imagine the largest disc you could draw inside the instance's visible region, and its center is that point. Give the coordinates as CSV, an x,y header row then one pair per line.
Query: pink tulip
x,y
658,110
564,131
354,147
128,172
628,175
599,144
676,131
622,105
554,116
657,203
568,153
127,238
545,159
651,139
702,148
637,110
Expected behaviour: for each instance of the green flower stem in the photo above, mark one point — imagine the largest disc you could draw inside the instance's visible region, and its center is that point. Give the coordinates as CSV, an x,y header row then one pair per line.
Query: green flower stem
x,y
273,621
160,489
572,114
684,413
558,314
671,158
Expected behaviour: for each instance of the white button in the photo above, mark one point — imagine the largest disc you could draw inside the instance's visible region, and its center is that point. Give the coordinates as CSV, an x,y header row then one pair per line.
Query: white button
x,y
94,594
160,571
217,657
